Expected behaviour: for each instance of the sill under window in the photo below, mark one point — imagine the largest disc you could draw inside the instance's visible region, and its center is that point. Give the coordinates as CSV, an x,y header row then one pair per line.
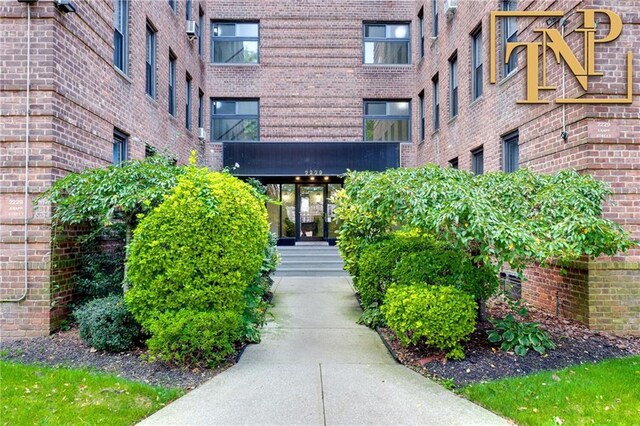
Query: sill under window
x,y
123,74
409,65
235,64
508,76
476,100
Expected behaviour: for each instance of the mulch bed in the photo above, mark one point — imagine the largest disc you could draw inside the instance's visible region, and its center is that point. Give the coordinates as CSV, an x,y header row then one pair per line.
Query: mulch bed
x,y
576,345
66,349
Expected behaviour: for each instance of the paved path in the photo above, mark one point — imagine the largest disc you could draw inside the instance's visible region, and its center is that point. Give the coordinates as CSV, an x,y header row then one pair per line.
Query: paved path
x,y
316,366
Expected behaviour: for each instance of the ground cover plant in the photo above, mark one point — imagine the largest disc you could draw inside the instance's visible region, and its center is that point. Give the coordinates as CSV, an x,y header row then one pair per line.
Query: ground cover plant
x,y
190,263
44,396
603,393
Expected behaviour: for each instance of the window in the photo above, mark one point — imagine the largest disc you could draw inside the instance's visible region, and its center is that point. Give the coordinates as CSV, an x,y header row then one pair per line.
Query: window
x,y
119,147
422,108
386,121
421,25
434,31
151,61
172,83
200,31
235,120
187,7
436,103
200,108
386,44
477,161
476,64
234,43
187,104
121,35
173,5
509,35
510,152
453,163
453,85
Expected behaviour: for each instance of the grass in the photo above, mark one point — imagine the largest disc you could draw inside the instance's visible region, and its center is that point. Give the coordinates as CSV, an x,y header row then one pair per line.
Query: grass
x,y
34,395
603,393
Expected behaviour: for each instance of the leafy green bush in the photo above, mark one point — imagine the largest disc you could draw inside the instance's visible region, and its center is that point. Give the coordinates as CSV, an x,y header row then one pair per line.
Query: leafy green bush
x,y
438,264
107,325
514,218
258,293
193,257
519,336
439,316
378,260
193,336
100,274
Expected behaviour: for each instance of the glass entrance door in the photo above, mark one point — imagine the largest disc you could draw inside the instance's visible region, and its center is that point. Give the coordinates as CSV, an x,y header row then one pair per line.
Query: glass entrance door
x,y
311,212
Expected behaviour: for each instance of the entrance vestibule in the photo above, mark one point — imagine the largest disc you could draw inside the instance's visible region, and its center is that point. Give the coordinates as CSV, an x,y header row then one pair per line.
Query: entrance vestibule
x,y
305,212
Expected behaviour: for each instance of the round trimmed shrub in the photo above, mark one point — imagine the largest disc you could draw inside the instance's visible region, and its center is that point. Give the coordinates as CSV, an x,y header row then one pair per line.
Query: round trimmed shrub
x,y
378,260
106,324
442,265
438,316
191,260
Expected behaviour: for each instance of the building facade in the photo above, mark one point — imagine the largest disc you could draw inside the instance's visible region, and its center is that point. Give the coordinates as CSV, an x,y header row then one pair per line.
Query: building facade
x,y
294,94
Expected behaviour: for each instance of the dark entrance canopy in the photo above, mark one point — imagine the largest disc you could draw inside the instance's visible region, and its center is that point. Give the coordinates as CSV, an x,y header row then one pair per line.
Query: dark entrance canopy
x,y
309,158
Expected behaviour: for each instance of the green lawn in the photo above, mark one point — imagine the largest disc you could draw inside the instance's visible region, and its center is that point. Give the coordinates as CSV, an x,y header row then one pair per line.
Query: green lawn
x,y
603,393
58,396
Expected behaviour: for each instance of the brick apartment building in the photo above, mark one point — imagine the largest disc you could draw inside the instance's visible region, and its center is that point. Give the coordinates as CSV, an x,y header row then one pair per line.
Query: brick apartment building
x,y
296,92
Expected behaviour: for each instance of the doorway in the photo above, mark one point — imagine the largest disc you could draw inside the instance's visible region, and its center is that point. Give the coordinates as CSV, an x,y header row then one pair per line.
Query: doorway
x,y
311,212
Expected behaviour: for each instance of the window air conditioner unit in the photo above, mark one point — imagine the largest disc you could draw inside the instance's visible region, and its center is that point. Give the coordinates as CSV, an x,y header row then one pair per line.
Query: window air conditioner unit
x,y
450,7
202,135
192,30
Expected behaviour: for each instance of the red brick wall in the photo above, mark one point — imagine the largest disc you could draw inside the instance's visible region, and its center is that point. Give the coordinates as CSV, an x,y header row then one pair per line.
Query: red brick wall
x,y
311,81
77,98
588,293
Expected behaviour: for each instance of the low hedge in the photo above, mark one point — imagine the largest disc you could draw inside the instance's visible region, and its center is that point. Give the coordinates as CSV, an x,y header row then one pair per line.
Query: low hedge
x,y
438,316
106,324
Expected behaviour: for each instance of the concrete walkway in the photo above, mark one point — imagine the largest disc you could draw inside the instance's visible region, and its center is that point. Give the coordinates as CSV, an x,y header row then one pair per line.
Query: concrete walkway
x,y
316,366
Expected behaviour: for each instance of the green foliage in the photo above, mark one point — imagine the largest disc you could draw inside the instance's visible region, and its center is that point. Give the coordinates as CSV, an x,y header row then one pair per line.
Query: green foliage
x,y
100,273
438,264
515,218
408,258
36,395
189,336
439,316
258,292
193,257
372,317
107,325
102,196
519,336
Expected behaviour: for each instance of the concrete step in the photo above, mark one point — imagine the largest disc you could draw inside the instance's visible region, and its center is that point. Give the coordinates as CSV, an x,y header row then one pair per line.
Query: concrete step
x,y
312,261
310,273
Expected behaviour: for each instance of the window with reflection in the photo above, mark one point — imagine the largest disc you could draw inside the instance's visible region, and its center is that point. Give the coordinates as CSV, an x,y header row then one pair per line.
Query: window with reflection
x,y
235,120
387,44
387,121
235,42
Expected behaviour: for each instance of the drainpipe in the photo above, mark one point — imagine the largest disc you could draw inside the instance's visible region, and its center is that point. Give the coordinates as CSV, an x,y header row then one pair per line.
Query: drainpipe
x,y
564,135
26,165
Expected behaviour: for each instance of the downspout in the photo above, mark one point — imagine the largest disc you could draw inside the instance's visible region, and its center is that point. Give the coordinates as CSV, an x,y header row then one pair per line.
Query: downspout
x,y
564,134
26,166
